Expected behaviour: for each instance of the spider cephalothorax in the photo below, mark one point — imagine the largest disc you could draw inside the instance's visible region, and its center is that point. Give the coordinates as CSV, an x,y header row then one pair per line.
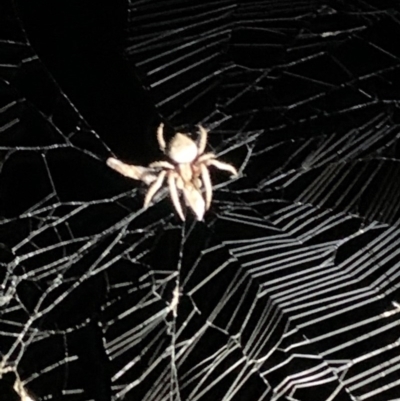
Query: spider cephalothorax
x,y
186,172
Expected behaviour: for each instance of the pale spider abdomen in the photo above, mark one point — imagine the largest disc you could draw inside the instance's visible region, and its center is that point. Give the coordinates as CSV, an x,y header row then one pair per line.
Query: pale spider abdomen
x,y
182,149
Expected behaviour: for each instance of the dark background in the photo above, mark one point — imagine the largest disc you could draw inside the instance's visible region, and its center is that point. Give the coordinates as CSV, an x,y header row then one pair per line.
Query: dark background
x,y
82,44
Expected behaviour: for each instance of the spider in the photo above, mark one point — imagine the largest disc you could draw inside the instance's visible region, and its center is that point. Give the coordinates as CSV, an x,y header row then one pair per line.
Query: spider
x,y
186,172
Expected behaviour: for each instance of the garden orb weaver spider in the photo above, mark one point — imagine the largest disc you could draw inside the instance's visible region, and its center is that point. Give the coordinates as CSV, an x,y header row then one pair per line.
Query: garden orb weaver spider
x,y
186,172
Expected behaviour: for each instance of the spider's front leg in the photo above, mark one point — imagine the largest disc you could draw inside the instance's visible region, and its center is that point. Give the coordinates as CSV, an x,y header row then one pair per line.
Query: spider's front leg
x,y
206,179
173,190
154,188
162,164
141,173
222,166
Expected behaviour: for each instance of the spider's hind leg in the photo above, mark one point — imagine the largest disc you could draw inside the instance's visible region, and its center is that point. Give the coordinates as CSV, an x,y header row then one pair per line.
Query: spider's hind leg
x,y
160,137
203,139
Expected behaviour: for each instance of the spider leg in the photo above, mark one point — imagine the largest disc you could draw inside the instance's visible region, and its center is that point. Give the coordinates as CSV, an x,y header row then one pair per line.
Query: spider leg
x,y
205,176
160,137
203,139
204,157
154,188
131,171
222,166
161,164
173,190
